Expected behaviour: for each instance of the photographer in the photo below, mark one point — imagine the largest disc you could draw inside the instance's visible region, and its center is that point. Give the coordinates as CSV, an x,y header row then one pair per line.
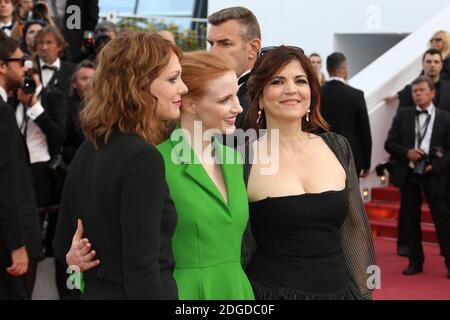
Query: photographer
x,y
419,143
19,225
93,43
26,11
62,12
42,116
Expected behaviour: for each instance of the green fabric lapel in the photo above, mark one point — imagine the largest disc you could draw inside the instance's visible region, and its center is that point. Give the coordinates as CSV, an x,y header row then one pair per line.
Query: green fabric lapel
x,y
184,153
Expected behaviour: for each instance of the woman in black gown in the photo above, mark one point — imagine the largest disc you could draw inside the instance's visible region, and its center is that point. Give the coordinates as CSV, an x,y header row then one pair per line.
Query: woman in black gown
x,y
308,236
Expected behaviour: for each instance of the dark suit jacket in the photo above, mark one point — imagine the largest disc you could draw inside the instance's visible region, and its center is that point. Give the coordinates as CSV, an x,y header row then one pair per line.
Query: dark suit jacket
x,y
63,77
445,73
344,108
89,17
442,98
401,138
120,193
19,225
54,121
75,136
243,100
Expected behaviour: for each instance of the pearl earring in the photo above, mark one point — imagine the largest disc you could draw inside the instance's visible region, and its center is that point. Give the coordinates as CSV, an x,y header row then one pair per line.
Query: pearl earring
x,y
258,120
307,115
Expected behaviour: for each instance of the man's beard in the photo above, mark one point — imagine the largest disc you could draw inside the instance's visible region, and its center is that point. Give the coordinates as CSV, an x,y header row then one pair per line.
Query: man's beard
x,y
14,84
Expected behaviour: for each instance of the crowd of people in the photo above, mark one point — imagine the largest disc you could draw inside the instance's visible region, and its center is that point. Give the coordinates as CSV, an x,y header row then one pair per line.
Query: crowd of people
x,y
93,132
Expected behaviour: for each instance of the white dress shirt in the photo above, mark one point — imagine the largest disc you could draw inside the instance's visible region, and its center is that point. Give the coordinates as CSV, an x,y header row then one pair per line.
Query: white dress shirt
x,y
36,138
47,74
425,146
338,79
243,75
7,31
3,94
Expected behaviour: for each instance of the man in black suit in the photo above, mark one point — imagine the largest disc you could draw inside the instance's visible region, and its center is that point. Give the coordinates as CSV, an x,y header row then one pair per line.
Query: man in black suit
x,y
81,83
432,67
63,13
235,34
54,72
19,226
419,143
344,108
42,118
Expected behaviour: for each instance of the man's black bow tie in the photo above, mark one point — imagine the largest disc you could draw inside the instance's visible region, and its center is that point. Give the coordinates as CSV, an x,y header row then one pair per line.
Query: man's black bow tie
x,y
418,113
50,67
7,27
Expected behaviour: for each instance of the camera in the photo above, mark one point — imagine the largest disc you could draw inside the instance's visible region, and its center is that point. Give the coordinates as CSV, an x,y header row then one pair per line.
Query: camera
x,y
95,43
427,159
29,85
88,40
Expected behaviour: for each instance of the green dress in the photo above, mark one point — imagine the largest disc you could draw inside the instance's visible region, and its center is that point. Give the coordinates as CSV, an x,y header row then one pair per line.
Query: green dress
x,y
208,236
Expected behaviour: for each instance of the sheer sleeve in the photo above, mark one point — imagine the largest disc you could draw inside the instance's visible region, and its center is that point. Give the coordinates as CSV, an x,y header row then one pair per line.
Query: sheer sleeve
x,y
356,236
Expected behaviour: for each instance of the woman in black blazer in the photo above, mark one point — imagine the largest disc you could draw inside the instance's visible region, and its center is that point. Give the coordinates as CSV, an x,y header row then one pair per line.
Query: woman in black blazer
x,y
116,182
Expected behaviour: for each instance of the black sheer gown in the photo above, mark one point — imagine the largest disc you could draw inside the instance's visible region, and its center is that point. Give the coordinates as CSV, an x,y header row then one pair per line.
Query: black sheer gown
x,y
311,246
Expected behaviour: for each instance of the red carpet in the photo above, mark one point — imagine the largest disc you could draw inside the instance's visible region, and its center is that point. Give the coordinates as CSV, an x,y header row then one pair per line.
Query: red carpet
x,y
432,284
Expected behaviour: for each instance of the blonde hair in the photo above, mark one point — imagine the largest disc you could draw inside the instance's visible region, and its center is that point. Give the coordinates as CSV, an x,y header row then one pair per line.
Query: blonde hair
x,y
120,97
200,67
446,36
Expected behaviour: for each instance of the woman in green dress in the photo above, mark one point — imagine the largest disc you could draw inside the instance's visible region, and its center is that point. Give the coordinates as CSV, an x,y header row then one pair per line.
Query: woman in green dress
x,y
206,185
205,182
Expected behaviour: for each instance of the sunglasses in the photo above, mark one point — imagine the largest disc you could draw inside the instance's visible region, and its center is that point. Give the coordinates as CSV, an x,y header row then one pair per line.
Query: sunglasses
x,y
436,40
264,50
20,60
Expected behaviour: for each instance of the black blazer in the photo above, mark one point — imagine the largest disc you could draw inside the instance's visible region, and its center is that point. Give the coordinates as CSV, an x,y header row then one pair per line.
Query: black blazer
x,y
89,17
120,193
401,138
243,100
344,108
445,73
441,100
19,224
63,77
75,136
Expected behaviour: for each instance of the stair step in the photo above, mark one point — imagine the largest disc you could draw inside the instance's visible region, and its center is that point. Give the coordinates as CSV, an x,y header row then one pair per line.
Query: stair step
x,y
379,209
388,229
387,193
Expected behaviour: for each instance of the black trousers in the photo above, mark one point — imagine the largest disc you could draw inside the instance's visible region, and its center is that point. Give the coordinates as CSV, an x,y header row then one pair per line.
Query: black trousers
x,y
401,228
17,288
411,205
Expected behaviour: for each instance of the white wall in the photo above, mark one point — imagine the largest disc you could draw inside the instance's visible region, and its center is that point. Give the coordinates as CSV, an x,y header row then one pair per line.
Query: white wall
x,y
313,24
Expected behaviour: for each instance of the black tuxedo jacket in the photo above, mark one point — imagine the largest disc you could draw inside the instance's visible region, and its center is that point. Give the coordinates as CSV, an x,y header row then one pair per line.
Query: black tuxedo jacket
x,y
63,77
89,17
243,100
19,225
120,193
54,120
75,136
344,108
401,138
